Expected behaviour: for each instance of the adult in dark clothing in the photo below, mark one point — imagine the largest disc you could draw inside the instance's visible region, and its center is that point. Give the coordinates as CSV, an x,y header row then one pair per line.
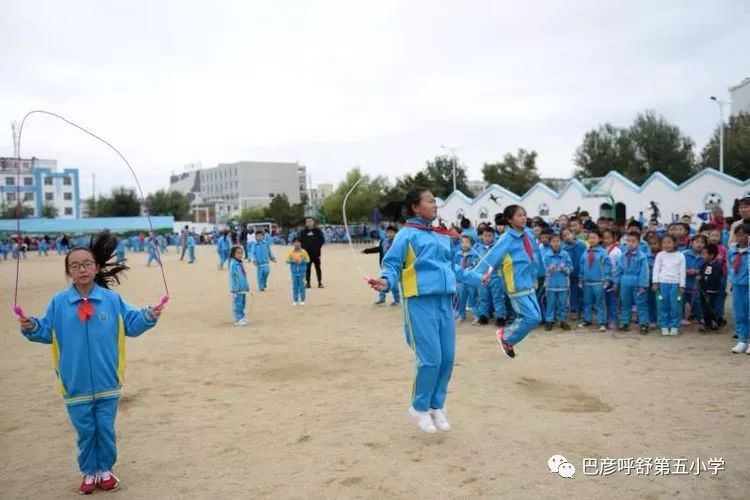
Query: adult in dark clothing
x,y
312,242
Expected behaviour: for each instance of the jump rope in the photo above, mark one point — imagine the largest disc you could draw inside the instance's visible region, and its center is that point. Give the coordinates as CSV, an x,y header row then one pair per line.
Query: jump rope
x,y
18,310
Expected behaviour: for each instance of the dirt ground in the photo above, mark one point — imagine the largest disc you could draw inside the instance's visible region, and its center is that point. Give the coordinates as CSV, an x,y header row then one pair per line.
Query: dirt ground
x,y
311,402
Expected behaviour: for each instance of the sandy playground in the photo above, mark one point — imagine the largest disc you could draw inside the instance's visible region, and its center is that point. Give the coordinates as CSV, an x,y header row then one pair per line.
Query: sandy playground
x,y
311,402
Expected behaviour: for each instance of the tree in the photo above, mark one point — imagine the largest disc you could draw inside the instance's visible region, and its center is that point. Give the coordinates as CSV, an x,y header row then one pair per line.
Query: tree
x,y
439,176
164,202
49,211
516,173
9,211
403,185
361,202
736,147
651,144
253,214
123,202
280,210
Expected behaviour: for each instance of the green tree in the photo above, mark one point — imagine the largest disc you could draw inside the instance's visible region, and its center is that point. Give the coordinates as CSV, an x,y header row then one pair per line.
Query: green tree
x,y
516,173
252,214
603,149
736,147
164,202
439,175
361,202
122,202
49,211
9,211
403,185
280,210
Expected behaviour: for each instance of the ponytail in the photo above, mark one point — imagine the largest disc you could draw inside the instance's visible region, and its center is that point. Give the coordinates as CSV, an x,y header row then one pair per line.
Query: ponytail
x,y
102,248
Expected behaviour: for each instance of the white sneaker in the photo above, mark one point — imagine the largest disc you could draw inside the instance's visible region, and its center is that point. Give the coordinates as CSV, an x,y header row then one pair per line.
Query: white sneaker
x,y
302,303
423,420
440,420
665,331
740,348
243,322
748,350
602,328
674,331
294,304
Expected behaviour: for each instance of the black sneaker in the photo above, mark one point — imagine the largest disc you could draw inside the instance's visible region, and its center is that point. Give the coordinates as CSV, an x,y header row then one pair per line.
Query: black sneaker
x,y
564,325
307,285
500,322
483,320
320,285
506,347
548,326
624,328
644,329
584,324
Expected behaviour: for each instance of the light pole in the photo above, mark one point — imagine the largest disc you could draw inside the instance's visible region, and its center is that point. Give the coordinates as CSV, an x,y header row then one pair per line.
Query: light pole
x,y
721,105
455,160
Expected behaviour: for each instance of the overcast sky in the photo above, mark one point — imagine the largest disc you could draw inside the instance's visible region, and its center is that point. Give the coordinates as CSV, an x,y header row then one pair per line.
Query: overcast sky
x,y
378,84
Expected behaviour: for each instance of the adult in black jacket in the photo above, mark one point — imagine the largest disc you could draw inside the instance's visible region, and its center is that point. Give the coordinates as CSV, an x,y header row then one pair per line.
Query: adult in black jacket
x,y
312,241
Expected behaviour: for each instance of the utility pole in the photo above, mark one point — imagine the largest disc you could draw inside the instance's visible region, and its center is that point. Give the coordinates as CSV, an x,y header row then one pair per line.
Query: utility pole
x,y
16,152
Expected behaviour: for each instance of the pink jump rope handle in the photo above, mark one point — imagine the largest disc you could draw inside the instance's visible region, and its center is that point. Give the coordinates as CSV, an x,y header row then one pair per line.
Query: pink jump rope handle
x,y
162,302
18,311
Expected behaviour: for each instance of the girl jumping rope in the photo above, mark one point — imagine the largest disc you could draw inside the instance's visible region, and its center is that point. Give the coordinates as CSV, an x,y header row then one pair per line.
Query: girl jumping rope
x,y
86,324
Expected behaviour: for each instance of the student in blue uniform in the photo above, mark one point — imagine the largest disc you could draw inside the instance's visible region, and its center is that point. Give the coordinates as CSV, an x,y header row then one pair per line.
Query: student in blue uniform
x,y
153,252
238,285
738,279
381,249
575,248
632,279
558,266
223,245
120,251
710,281
490,295
466,258
191,248
42,247
693,265
420,263
516,255
596,275
654,245
298,260
261,255
86,324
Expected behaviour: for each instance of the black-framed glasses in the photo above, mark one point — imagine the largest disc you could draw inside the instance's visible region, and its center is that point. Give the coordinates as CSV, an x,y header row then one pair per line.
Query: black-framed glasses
x,y
79,266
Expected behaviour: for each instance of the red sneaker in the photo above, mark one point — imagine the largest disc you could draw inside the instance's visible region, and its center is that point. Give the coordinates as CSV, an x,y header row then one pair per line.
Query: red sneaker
x,y
88,485
108,481
507,348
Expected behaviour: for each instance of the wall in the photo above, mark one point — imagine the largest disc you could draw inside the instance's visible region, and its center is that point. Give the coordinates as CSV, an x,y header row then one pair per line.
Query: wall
x,y
87,225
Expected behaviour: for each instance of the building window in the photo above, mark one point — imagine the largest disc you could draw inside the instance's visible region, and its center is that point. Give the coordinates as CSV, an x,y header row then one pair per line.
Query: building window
x,y
48,181
67,196
11,196
10,181
28,181
68,211
67,181
28,196
49,196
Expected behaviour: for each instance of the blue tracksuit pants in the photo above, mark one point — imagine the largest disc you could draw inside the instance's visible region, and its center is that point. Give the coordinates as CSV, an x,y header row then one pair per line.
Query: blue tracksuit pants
x,y
575,295
262,272
238,304
491,295
740,306
670,305
557,306
94,423
394,292
191,254
465,293
431,332
298,288
223,257
611,301
630,295
528,315
593,296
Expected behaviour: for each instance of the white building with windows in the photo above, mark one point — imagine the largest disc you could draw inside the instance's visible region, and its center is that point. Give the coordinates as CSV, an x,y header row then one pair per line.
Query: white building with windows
x,y
698,194
38,183
739,95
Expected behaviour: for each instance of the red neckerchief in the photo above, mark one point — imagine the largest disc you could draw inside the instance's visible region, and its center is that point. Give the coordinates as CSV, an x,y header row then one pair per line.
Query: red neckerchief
x,y
438,230
85,310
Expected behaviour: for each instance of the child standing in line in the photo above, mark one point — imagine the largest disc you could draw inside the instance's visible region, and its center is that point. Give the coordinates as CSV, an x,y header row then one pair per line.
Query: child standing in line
x,y
42,247
381,249
654,245
238,285
120,251
669,282
490,295
632,279
575,249
223,245
710,281
191,248
715,237
87,324
596,275
738,278
261,256
558,268
298,260
153,253
466,258
609,240
693,265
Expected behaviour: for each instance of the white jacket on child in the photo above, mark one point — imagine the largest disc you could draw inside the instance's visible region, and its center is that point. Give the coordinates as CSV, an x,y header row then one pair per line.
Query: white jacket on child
x,y
669,267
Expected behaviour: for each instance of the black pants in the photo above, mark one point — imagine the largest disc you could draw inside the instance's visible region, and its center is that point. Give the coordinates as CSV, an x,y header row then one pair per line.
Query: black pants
x,y
314,260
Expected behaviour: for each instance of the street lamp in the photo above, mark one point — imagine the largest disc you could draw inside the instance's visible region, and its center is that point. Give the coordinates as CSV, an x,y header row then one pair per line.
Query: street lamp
x,y
721,105
453,154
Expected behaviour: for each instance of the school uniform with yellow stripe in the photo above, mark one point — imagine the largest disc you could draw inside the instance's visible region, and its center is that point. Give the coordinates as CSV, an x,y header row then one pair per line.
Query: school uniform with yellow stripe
x,y
89,362
419,263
